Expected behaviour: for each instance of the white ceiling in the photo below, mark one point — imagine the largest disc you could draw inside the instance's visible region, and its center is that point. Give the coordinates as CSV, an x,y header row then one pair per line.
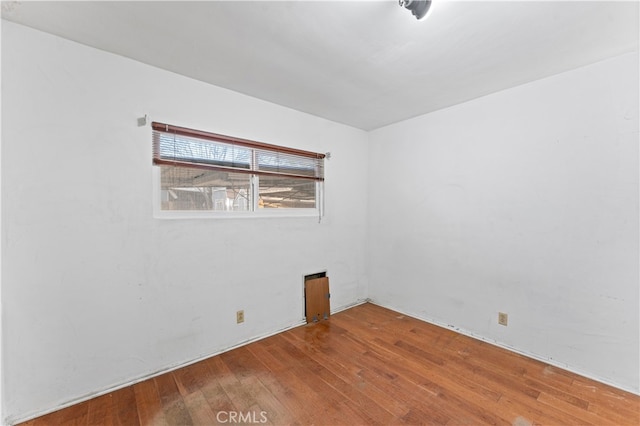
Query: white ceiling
x,y
363,63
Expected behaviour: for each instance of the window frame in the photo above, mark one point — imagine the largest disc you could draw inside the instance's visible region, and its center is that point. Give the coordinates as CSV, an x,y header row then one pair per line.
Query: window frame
x,y
254,174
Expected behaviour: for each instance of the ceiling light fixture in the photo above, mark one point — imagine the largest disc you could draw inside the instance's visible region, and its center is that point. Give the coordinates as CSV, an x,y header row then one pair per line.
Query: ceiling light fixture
x,y
418,8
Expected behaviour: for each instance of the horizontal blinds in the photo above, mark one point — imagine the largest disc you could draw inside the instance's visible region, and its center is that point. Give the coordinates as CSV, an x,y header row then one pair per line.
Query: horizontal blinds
x,y
179,146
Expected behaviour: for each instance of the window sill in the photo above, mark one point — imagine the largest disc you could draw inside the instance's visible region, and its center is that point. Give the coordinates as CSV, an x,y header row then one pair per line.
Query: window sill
x,y
275,213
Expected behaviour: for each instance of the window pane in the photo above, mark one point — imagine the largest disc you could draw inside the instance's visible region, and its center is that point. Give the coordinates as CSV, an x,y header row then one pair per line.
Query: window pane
x,y
283,192
195,189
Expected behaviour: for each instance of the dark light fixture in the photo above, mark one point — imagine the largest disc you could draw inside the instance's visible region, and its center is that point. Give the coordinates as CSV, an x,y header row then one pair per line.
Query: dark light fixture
x,y
418,8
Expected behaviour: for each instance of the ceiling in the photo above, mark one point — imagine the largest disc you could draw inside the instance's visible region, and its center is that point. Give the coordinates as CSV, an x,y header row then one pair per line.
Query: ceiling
x,y
366,64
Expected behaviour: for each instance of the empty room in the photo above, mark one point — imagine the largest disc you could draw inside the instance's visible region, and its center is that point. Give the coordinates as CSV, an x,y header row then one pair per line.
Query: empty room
x,y
320,212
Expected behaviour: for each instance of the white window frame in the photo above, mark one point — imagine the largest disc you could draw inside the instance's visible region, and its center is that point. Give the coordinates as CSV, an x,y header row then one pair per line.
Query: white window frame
x,y
253,212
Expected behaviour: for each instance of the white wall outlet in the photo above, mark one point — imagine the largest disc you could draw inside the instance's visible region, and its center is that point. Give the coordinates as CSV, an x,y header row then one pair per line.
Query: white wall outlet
x,y
240,317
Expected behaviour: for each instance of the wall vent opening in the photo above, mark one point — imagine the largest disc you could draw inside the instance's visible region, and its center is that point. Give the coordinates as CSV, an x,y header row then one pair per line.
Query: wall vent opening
x,y
314,276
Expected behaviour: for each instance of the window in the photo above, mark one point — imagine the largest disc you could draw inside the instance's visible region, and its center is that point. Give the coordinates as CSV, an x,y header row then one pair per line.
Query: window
x,y
201,171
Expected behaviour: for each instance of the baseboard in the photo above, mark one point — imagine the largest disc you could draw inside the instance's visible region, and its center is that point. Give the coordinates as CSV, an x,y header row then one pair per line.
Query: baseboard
x,y
349,306
507,347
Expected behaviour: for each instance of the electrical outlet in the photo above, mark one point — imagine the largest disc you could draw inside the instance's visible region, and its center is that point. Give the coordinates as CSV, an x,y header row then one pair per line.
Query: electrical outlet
x,y
503,318
239,317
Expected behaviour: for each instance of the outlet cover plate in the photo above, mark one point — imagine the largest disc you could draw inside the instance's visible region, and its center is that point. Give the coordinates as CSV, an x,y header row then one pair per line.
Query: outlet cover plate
x,y
503,319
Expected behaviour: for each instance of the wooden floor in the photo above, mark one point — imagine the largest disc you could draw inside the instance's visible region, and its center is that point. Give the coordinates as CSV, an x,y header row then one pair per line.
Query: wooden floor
x,y
366,365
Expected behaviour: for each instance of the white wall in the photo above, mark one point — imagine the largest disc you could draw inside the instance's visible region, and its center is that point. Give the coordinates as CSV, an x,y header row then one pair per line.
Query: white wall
x,y
1,314
96,291
526,202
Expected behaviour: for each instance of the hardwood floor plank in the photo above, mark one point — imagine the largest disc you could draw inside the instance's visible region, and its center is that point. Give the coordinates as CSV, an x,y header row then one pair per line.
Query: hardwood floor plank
x,y
295,406
342,380
75,415
621,417
308,393
207,384
199,409
324,382
173,406
556,393
605,396
150,410
229,383
580,414
100,411
125,410
191,378
217,398
526,413
366,365
249,371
